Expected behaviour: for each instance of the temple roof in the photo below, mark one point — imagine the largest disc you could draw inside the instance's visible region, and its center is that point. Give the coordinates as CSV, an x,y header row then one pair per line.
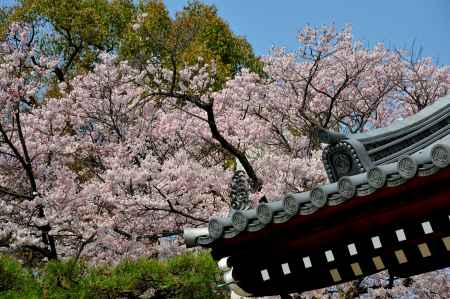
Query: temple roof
x,y
418,146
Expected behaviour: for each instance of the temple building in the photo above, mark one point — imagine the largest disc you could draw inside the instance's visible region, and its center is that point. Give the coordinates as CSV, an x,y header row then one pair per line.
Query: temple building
x,y
387,206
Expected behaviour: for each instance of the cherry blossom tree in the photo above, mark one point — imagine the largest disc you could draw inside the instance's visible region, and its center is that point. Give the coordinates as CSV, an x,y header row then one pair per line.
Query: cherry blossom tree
x,y
122,156
434,284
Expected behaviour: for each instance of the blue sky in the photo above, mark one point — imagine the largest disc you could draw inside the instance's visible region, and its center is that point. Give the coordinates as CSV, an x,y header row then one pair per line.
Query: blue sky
x,y
396,23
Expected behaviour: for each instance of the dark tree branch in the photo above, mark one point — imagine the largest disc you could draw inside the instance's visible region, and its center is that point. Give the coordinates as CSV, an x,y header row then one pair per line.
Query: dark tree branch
x,y
84,244
8,141
76,51
15,194
25,161
172,208
256,183
27,165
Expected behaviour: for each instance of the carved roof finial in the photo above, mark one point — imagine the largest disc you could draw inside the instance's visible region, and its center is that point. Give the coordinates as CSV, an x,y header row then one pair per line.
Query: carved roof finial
x,y
328,137
240,189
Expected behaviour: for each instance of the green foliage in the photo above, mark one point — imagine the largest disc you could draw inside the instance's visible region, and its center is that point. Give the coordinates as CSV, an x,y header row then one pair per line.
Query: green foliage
x,y
5,13
151,39
219,42
191,275
78,30
15,281
194,276
197,31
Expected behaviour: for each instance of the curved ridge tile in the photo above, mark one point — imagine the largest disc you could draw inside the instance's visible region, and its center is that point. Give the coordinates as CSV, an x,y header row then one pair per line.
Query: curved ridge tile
x,y
347,185
292,202
377,176
426,115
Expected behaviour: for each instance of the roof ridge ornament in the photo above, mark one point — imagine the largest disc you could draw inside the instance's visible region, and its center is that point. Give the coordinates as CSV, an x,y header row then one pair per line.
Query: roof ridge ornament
x,y
328,137
346,158
239,189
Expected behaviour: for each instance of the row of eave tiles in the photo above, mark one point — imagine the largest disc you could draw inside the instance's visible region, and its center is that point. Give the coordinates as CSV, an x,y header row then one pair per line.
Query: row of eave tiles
x,y
422,163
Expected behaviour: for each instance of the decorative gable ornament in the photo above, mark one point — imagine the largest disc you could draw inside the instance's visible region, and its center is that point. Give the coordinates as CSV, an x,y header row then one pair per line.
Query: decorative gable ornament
x,y
387,206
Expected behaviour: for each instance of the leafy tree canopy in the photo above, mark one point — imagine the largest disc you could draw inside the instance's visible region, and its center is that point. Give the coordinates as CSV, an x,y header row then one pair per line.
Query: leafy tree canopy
x,y
78,30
